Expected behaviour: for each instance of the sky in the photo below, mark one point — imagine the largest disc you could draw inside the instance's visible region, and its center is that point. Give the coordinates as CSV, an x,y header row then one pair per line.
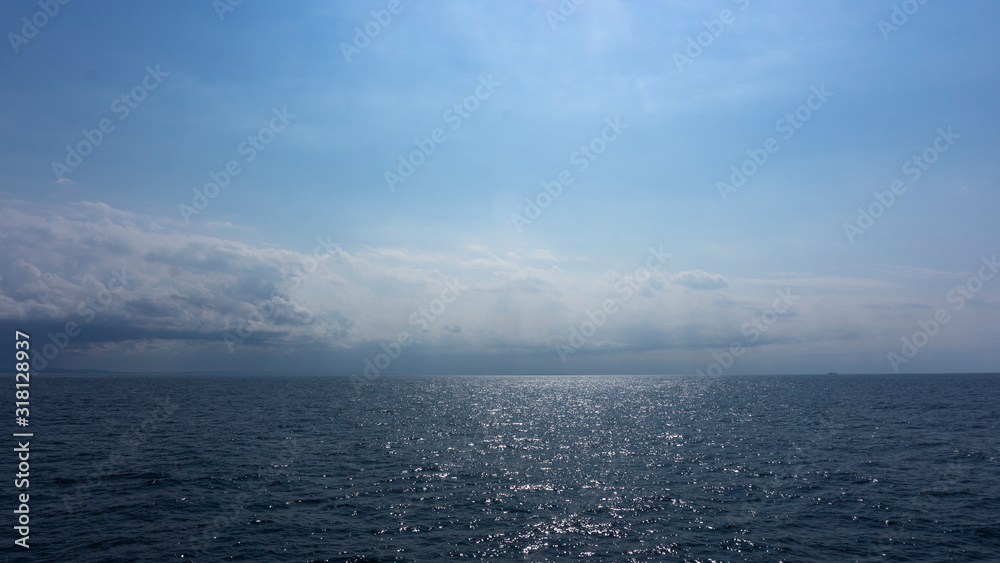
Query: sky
x,y
390,187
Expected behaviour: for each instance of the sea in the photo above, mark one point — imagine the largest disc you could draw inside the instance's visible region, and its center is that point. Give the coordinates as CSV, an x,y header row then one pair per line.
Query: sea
x,y
804,468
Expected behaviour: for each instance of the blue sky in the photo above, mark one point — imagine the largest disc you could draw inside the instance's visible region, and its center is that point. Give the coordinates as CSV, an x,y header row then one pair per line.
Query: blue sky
x,y
554,83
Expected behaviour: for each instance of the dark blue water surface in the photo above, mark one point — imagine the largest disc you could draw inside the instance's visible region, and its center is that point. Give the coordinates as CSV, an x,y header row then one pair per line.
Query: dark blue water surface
x,y
796,468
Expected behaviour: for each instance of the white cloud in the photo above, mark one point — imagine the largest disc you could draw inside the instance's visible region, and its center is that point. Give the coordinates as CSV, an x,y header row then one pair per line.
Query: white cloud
x,y
699,279
185,289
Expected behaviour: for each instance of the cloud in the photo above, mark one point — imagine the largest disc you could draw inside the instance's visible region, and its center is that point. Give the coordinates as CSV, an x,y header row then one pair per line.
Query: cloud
x,y
172,285
699,279
184,289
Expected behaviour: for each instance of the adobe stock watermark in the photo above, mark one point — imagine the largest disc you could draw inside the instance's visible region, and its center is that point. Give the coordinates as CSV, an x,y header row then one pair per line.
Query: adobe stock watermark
x,y
122,106
454,115
958,296
752,330
363,35
87,310
265,309
563,11
696,45
913,168
421,319
626,286
225,7
249,149
241,498
787,126
582,157
128,444
31,26
899,16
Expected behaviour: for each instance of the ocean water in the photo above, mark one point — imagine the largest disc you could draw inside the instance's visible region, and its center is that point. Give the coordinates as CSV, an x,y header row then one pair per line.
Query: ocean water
x,y
789,468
